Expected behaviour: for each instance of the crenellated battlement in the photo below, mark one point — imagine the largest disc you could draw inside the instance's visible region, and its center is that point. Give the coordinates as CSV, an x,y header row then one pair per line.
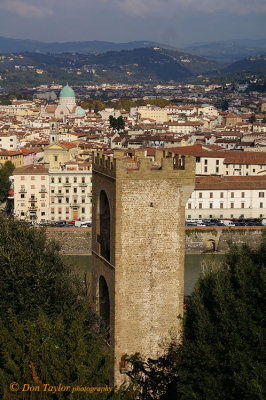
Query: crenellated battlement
x,y
164,164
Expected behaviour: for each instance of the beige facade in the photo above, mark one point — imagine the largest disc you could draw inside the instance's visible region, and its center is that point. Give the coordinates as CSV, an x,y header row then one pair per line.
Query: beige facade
x,y
138,249
263,107
8,142
151,112
228,197
70,192
31,192
57,154
208,110
53,194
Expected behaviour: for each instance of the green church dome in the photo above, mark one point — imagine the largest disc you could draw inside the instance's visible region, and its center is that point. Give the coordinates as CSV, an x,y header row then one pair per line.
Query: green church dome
x,y
67,91
80,111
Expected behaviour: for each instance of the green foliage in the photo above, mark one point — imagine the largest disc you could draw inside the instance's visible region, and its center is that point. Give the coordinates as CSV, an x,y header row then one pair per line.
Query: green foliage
x,y
33,274
222,355
51,352
48,331
6,102
225,105
117,123
5,172
96,108
252,119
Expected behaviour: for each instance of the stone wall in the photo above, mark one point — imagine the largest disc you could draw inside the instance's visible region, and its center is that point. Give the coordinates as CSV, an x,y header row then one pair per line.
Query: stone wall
x,y
205,239
198,240
72,240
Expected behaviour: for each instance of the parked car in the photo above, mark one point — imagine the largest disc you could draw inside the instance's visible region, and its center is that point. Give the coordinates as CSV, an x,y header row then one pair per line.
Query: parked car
x,y
72,222
85,225
60,223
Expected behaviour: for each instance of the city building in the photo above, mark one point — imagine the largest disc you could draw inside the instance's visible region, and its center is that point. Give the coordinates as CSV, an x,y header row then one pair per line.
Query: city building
x,y
31,192
42,193
228,197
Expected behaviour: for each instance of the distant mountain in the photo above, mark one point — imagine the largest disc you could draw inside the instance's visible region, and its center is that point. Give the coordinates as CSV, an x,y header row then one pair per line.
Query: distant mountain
x,y
229,50
8,45
147,65
252,64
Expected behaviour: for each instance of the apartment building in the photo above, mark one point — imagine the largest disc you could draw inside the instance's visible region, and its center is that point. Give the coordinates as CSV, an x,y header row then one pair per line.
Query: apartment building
x,y
58,194
228,197
70,192
151,112
225,162
8,141
31,192
15,156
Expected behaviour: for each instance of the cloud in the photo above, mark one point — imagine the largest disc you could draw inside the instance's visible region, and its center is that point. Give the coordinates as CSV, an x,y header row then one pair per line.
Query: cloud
x,y
164,7
24,8
133,8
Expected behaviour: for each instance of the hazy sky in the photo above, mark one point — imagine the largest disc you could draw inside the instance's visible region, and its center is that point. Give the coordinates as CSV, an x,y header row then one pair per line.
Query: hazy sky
x,y
176,22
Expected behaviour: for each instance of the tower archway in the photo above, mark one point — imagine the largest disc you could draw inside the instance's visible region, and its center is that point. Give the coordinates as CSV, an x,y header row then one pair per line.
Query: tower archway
x,y
104,225
104,301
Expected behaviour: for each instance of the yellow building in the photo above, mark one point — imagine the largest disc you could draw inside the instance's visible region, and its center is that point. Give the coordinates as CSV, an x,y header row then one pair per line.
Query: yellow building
x,y
158,114
57,154
16,157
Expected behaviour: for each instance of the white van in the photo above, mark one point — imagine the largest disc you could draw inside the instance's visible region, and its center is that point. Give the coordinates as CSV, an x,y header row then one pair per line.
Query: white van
x,y
263,221
86,224
226,222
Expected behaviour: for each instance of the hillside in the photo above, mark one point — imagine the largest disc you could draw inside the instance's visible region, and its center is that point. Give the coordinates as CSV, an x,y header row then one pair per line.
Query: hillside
x,y
254,64
129,66
8,45
229,50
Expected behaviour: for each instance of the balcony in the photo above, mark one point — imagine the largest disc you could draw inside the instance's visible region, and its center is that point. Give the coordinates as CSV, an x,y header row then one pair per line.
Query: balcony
x,y
32,200
33,208
75,204
82,184
43,190
59,194
67,184
22,190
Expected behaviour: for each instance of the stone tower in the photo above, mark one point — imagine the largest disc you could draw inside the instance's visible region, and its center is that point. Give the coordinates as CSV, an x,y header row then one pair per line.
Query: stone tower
x,y
138,248
54,131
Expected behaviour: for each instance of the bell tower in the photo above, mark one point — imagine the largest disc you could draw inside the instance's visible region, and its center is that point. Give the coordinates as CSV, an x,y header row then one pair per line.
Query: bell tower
x,y
54,131
138,248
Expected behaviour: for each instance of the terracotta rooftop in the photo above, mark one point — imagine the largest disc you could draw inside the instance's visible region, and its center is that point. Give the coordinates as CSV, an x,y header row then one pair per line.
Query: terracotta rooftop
x,y
245,157
230,182
31,170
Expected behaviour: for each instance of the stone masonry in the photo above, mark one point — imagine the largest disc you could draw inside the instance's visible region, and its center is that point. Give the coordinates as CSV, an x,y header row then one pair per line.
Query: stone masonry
x,y
144,268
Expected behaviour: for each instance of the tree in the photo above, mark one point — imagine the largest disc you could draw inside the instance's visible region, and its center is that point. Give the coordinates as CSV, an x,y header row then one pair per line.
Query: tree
x,y
33,274
96,108
5,184
222,354
117,123
49,334
252,119
225,105
6,102
48,351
